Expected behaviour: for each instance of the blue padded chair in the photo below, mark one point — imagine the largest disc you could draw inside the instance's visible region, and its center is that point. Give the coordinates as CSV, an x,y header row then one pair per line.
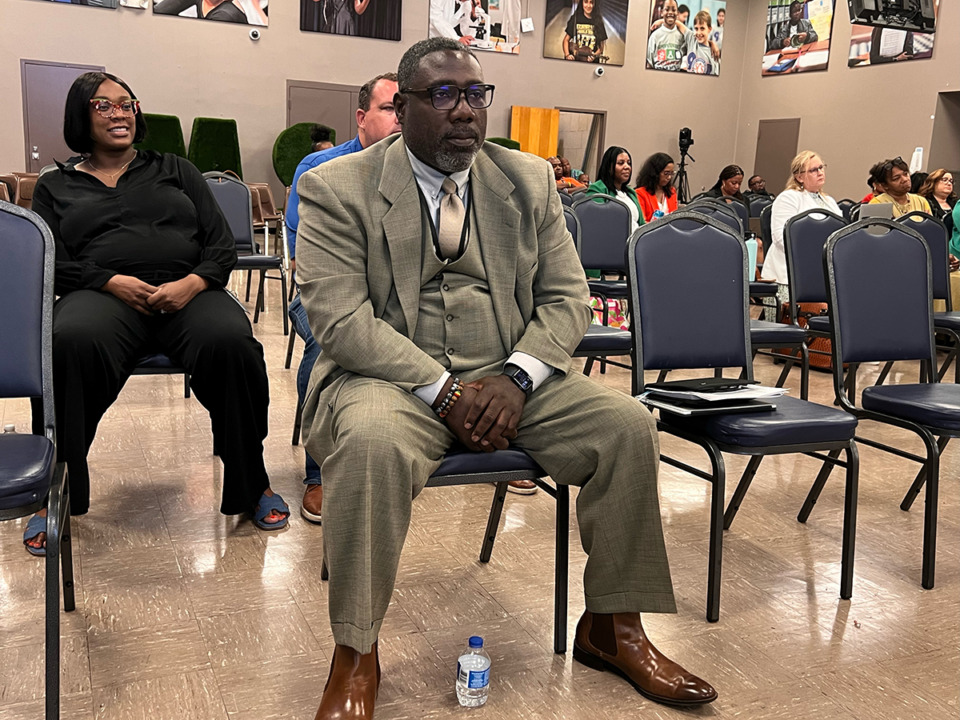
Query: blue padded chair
x,y
566,199
758,203
764,334
236,203
463,467
716,269
160,364
880,263
766,232
600,340
846,207
605,224
938,240
30,476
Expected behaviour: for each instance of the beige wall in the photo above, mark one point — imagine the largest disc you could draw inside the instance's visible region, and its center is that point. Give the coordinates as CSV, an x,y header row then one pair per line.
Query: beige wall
x,y
191,68
841,109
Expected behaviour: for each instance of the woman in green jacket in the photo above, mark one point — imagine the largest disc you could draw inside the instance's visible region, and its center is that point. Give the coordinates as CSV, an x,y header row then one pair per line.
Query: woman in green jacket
x,y
616,169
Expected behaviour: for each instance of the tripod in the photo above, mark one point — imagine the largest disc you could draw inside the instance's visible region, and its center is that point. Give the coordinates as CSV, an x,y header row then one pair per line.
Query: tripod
x,y
680,180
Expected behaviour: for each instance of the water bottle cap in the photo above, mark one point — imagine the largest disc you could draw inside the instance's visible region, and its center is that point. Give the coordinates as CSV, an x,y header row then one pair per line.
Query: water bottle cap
x,y
9,428
476,641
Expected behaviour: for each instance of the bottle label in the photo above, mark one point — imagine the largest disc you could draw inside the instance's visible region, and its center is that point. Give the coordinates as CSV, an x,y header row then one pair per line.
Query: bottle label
x,y
473,679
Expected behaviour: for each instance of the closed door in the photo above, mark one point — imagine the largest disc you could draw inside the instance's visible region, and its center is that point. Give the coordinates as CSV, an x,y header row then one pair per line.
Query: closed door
x,y
324,103
776,147
45,87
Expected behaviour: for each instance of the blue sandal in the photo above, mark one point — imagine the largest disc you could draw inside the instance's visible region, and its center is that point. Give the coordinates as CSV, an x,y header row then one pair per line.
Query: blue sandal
x,y
36,526
265,507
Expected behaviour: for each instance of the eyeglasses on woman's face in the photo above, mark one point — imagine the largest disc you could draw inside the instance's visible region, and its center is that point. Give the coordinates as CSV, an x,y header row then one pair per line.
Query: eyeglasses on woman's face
x,y
946,179
107,109
816,170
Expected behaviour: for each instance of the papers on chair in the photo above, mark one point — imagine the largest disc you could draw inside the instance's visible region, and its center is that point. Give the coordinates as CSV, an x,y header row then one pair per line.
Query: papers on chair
x,y
749,392
754,398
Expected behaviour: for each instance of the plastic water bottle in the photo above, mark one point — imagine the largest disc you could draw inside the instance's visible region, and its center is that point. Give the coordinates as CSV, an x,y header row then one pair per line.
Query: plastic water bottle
x,y
473,674
9,429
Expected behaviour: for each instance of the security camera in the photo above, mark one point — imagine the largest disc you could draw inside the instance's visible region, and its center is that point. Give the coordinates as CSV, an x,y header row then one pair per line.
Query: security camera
x,y
598,71
254,34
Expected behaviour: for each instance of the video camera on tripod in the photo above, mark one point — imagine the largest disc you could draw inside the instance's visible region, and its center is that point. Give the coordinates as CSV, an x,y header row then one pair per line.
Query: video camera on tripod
x,y
680,179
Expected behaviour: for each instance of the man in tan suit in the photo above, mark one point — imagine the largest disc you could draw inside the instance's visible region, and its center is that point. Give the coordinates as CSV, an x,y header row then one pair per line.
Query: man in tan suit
x,y
446,293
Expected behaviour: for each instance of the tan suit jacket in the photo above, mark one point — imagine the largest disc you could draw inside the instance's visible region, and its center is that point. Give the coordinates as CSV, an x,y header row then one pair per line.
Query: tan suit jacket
x,y
359,250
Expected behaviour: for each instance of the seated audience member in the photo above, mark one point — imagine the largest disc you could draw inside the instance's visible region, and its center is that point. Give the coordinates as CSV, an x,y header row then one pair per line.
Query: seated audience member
x,y
758,186
804,191
320,137
797,30
876,187
563,183
655,187
727,186
398,381
143,253
917,180
700,57
894,177
939,193
586,34
955,238
376,120
578,175
616,169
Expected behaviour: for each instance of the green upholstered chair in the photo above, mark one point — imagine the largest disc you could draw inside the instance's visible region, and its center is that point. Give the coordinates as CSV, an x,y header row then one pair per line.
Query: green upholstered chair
x,y
214,145
291,146
505,142
164,134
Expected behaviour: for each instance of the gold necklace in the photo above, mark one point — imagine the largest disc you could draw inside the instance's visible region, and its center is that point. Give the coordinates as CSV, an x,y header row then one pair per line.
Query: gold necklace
x,y
106,174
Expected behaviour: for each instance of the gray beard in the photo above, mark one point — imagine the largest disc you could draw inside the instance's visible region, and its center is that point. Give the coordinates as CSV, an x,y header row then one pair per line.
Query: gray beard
x,y
451,162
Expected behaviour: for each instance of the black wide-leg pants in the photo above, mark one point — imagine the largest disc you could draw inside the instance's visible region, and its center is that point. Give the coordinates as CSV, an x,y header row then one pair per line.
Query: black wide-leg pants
x,y
97,341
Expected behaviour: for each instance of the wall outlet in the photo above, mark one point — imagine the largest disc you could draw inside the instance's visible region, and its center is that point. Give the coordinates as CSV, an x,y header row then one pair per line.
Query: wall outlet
x,y
526,24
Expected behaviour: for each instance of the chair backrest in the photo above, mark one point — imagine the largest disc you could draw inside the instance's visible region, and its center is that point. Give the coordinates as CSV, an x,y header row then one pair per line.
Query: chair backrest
x,y
4,193
604,229
573,224
758,203
267,206
880,293
766,231
26,295
804,236
236,204
846,205
740,208
668,321
566,199
854,213
935,233
719,210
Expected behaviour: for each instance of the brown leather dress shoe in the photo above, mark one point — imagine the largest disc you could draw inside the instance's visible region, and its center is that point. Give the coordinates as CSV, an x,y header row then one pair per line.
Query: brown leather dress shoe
x,y
312,503
618,643
352,686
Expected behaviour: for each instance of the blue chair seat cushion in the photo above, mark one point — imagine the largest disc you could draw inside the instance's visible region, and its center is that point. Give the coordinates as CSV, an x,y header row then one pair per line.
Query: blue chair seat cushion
x,y
931,404
156,361
763,289
609,288
26,468
948,320
793,422
258,262
459,461
604,340
763,332
819,323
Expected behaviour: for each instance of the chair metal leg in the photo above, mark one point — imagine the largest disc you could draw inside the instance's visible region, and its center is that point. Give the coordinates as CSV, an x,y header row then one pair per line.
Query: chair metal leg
x,y
324,572
297,422
849,521
493,521
715,562
804,372
290,342
662,375
186,385
258,305
749,472
914,490
247,298
561,571
817,487
588,366
57,510
283,297
884,371
932,467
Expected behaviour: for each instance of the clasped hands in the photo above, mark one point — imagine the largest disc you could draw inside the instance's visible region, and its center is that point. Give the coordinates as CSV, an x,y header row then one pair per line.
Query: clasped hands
x,y
485,417
150,299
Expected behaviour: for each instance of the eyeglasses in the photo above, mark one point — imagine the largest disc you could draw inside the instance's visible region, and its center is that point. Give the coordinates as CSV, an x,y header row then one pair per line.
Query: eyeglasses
x,y
818,169
946,180
107,109
447,97
889,165
668,173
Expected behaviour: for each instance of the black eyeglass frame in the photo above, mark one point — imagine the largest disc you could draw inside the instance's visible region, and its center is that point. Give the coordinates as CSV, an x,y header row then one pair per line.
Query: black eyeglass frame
x,y
461,93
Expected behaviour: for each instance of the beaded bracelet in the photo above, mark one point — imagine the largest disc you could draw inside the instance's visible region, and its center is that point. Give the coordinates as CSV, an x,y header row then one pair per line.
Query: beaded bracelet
x,y
450,399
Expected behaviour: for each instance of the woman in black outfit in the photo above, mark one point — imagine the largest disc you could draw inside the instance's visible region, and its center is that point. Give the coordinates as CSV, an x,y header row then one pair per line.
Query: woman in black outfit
x,y
143,253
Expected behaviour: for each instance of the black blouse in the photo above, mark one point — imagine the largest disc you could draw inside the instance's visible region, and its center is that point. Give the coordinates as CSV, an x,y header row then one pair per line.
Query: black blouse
x,y
160,224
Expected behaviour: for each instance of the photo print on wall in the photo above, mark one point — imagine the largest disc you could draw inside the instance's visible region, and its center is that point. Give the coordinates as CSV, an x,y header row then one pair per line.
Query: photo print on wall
x,y
591,31
247,12
110,4
378,19
686,36
492,25
798,36
885,42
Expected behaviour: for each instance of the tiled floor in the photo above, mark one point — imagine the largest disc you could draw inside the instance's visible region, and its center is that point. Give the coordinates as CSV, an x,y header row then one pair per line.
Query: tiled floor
x,y
185,614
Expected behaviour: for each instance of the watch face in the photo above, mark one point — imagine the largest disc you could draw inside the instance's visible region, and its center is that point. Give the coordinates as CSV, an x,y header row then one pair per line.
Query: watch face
x,y
523,381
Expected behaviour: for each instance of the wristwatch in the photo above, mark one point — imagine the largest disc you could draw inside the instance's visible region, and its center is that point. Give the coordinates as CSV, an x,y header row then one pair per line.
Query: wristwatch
x,y
520,378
